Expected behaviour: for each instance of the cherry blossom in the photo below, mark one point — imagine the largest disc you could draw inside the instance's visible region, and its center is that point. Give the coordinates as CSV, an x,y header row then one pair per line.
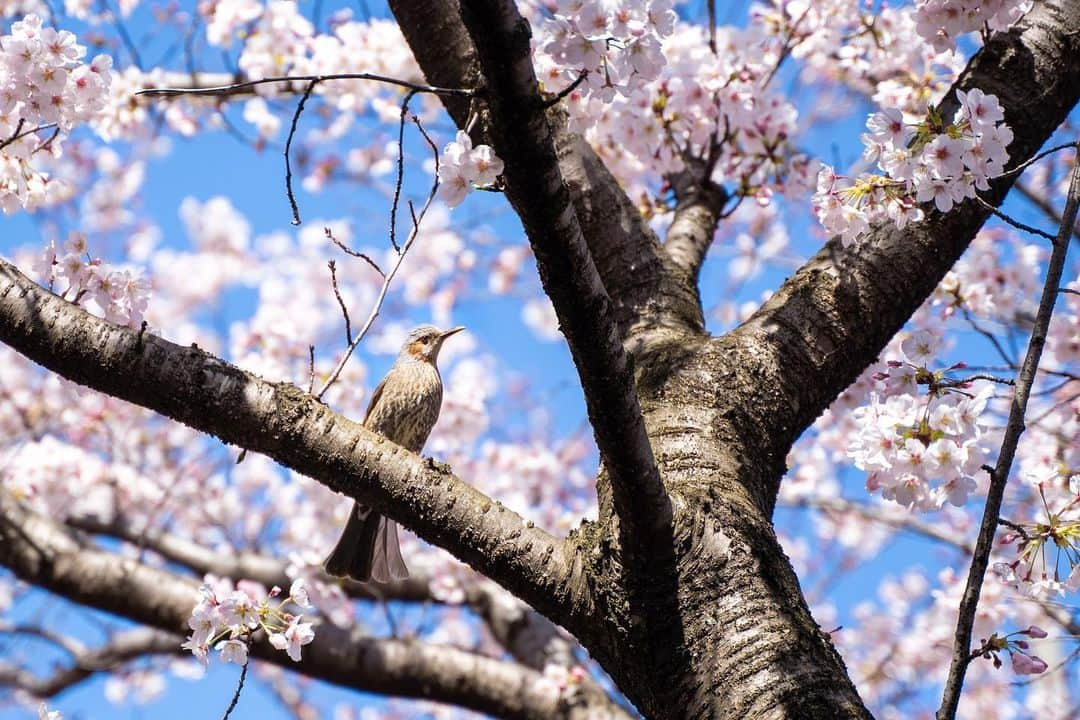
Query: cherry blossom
x,y
463,167
927,161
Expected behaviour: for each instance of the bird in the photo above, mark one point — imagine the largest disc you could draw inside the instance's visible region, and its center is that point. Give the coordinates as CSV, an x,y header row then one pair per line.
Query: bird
x,y
403,409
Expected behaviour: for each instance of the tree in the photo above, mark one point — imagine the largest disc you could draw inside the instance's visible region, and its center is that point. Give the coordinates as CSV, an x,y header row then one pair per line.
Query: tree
x,y
679,589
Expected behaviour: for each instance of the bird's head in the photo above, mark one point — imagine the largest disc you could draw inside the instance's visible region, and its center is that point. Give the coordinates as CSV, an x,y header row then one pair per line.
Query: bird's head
x,y
425,342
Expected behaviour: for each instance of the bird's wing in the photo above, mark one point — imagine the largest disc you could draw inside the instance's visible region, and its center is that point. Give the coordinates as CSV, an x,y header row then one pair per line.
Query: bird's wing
x,y
375,399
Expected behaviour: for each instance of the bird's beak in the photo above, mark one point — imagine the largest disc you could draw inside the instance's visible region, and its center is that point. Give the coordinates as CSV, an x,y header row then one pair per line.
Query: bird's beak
x,y
452,331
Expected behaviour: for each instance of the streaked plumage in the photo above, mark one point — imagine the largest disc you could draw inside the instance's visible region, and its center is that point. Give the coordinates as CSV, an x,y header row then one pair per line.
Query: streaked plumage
x,y
403,408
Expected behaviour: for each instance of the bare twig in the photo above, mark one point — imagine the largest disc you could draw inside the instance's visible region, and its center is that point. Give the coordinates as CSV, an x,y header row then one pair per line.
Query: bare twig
x,y
1013,221
389,276
311,368
341,303
1014,526
400,168
288,146
239,687
239,87
1044,205
349,251
566,90
1036,158
969,603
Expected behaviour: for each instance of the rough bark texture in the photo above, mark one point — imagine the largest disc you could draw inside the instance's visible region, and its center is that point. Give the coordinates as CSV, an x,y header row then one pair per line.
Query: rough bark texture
x,y
696,614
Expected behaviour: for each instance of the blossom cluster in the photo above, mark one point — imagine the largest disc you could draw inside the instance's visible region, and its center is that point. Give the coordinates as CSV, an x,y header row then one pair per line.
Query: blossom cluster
x,y
120,294
920,454
1023,662
616,43
930,160
463,167
44,84
874,50
1047,560
702,104
942,22
226,623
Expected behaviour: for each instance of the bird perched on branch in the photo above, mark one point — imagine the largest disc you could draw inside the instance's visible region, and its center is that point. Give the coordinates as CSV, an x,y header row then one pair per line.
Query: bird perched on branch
x,y
403,409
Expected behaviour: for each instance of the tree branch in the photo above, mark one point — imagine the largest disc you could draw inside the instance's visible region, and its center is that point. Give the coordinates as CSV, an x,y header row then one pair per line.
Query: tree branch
x,y
43,553
698,208
121,648
900,519
531,638
240,564
284,423
1000,475
524,140
828,322
624,248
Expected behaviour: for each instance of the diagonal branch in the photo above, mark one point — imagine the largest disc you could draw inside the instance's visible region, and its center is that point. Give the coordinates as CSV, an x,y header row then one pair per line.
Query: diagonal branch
x,y
1000,475
43,553
829,321
524,140
286,424
624,248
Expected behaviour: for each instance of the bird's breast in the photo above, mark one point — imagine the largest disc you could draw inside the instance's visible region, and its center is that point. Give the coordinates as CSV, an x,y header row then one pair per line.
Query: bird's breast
x,y
408,406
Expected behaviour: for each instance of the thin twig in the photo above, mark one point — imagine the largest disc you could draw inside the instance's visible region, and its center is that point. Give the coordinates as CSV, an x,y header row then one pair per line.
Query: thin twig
x,y
349,251
125,38
389,277
711,5
989,336
239,687
311,368
991,378
1035,159
1014,222
288,147
236,88
565,91
341,303
1000,474
400,168
1014,526
1044,205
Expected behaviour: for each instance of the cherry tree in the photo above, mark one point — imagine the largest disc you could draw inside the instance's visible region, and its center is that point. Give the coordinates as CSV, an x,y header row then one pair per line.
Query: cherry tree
x,y
822,456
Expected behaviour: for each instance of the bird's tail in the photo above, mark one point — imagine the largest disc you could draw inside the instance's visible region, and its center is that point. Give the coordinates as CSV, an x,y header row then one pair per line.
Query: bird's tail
x,y
367,549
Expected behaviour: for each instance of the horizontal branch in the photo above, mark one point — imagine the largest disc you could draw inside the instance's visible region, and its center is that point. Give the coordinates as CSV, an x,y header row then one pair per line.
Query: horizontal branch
x,y
42,552
900,519
531,638
121,648
241,564
288,425
242,87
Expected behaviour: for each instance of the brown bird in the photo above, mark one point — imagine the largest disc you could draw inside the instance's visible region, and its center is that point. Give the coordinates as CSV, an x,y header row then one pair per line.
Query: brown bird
x,y
403,409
